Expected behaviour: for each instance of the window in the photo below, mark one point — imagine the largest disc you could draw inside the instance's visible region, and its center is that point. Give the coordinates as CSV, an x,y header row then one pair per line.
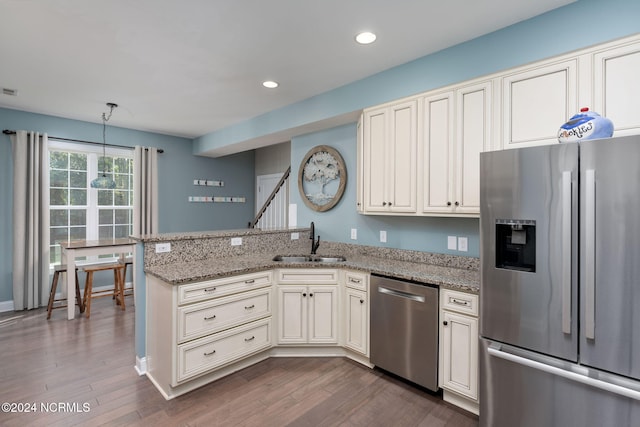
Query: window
x,y
78,211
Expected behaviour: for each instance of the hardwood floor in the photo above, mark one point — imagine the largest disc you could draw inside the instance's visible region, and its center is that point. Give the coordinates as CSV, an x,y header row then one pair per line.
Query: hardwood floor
x,y
80,372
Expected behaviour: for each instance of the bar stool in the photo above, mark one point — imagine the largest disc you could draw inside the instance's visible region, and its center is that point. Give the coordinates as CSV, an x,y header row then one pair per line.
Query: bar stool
x,y
118,287
54,285
127,261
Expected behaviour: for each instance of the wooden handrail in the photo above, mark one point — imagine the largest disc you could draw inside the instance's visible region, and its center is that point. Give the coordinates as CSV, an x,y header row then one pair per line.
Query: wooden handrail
x,y
272,196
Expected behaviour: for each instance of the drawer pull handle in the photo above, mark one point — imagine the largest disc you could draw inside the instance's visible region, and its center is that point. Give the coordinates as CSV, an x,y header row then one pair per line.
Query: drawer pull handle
x,y
249,339
209,289
354,280
210,353
459,302
210,317
249,307
250,281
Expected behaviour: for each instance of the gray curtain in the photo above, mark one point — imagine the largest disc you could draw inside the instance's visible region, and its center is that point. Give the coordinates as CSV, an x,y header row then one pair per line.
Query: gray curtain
x,y
30,220
145,193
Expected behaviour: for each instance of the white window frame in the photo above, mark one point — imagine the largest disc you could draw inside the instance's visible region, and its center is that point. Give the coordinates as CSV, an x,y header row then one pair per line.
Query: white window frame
x,y
92,193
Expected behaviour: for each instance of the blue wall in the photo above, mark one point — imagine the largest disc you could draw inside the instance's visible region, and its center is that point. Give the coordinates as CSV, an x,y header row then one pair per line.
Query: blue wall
x,y
178,167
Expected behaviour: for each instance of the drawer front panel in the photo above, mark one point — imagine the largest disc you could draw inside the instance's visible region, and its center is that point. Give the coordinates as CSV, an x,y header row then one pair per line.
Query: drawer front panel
x,y
356,280
203,291
200,356
309,276
197,320
459,301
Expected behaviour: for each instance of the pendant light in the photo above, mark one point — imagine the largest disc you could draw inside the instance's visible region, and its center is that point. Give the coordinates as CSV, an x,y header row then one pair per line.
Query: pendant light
x,y
103,182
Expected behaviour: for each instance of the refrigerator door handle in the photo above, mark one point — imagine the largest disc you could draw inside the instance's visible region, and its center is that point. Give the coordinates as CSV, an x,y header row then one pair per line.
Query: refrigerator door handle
x,y
495,351
566,251
590,254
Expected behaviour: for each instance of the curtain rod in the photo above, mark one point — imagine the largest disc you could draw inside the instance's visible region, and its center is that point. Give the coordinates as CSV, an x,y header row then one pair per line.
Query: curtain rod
x,y
13,132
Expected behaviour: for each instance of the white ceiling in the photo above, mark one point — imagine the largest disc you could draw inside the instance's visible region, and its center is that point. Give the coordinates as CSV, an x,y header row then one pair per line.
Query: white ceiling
x,y
191,67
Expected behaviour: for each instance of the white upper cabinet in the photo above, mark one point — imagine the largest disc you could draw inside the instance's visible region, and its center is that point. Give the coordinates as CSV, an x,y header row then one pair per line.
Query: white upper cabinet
x,y
537,101
616,91
390,158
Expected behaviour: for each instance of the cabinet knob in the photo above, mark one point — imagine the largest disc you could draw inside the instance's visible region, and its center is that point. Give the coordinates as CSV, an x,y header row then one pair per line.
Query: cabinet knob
x,y
304,294
384,203
389,203
457,203
445,323
310,294
361,301
448,203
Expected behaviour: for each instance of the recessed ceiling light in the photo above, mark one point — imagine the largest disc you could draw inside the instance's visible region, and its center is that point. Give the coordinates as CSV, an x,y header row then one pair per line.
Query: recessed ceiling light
x,y
366,37
270,84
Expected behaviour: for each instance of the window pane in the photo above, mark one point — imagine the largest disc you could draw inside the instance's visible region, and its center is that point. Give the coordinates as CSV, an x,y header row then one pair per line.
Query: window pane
x,y
54,255
78,197
78,161
105,163
58,217
121,165
122,216
58,160
78,233
58,235
105,197
78,217
105,216
58,178
120,198
122,231
58,197
78,179
105,232
122,181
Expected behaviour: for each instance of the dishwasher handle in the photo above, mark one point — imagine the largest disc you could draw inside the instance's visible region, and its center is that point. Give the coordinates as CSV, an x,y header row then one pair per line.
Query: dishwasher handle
x,y
401,294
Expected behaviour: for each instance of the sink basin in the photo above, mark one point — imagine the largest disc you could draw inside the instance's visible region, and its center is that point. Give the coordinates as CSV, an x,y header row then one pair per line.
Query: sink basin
x,y
309,258
322,258
292,258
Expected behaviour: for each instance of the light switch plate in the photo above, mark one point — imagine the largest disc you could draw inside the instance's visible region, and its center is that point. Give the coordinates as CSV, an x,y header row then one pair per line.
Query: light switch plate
x,y
236,241
354,234
463,244
383,236
163,247
452,243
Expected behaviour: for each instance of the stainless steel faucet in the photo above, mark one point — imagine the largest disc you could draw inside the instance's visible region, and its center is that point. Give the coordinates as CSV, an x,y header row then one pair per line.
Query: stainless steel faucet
x,y
314,243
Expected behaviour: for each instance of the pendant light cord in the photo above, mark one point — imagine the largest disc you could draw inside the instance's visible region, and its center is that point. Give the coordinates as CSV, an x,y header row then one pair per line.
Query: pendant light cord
x,y
105,119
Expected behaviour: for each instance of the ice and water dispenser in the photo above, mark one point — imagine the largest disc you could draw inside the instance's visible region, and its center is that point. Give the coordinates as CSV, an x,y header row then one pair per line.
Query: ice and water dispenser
x,y
516,244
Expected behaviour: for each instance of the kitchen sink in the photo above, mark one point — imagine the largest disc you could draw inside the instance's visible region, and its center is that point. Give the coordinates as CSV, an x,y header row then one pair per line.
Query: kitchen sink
x,y
309,258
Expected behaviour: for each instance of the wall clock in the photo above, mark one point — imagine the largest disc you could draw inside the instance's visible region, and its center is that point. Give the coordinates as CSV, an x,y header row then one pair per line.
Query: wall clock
x,y
322,178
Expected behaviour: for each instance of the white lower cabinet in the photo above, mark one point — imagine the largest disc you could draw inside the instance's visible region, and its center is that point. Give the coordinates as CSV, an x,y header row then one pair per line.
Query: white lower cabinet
x,y
307,314
459,348
356,312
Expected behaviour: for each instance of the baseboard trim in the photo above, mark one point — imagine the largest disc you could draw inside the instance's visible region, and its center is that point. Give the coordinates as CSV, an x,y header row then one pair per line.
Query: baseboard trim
x,y
6,306
141,365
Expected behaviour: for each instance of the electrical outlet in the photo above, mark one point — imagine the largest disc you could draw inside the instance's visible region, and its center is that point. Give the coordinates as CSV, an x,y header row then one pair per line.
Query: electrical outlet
x,y
463,243
383,236
354,234
452,244
163,247
236,241
295,236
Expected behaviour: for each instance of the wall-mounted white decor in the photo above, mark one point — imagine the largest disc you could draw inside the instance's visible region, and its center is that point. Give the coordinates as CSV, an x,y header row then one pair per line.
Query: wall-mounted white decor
x,y
322,178
208,183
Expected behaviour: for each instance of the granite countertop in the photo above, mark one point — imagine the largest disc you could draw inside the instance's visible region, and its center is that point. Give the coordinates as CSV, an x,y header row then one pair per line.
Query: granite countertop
x,y
213,268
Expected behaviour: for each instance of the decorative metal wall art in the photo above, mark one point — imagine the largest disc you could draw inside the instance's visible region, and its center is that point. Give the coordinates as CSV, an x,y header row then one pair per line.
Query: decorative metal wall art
x,y
322,178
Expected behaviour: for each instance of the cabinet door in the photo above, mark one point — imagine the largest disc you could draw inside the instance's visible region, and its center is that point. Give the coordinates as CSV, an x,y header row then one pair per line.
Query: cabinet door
x,y
460,354
375,135
473,136
292,314
617,87
359,166
402,155
356,320
323,314
536,102
438,119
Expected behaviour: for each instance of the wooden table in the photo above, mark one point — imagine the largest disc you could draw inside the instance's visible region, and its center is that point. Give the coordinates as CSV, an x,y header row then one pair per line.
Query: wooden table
x,y
79,248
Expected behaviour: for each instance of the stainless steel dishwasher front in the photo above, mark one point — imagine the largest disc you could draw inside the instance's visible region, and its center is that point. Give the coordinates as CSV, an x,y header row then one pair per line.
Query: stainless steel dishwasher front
x,y
404,330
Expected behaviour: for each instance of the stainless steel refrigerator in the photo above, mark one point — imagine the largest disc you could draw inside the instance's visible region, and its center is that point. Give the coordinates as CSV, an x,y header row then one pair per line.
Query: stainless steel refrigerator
x,y
560,287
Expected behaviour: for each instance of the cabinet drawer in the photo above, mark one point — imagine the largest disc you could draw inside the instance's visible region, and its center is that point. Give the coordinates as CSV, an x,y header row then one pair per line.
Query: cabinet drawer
x,y
461,302
200,356
197,320
202,291
356,280
308,276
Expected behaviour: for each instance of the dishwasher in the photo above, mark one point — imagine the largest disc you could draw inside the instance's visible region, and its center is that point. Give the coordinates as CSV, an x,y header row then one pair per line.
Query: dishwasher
x,y
404,329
